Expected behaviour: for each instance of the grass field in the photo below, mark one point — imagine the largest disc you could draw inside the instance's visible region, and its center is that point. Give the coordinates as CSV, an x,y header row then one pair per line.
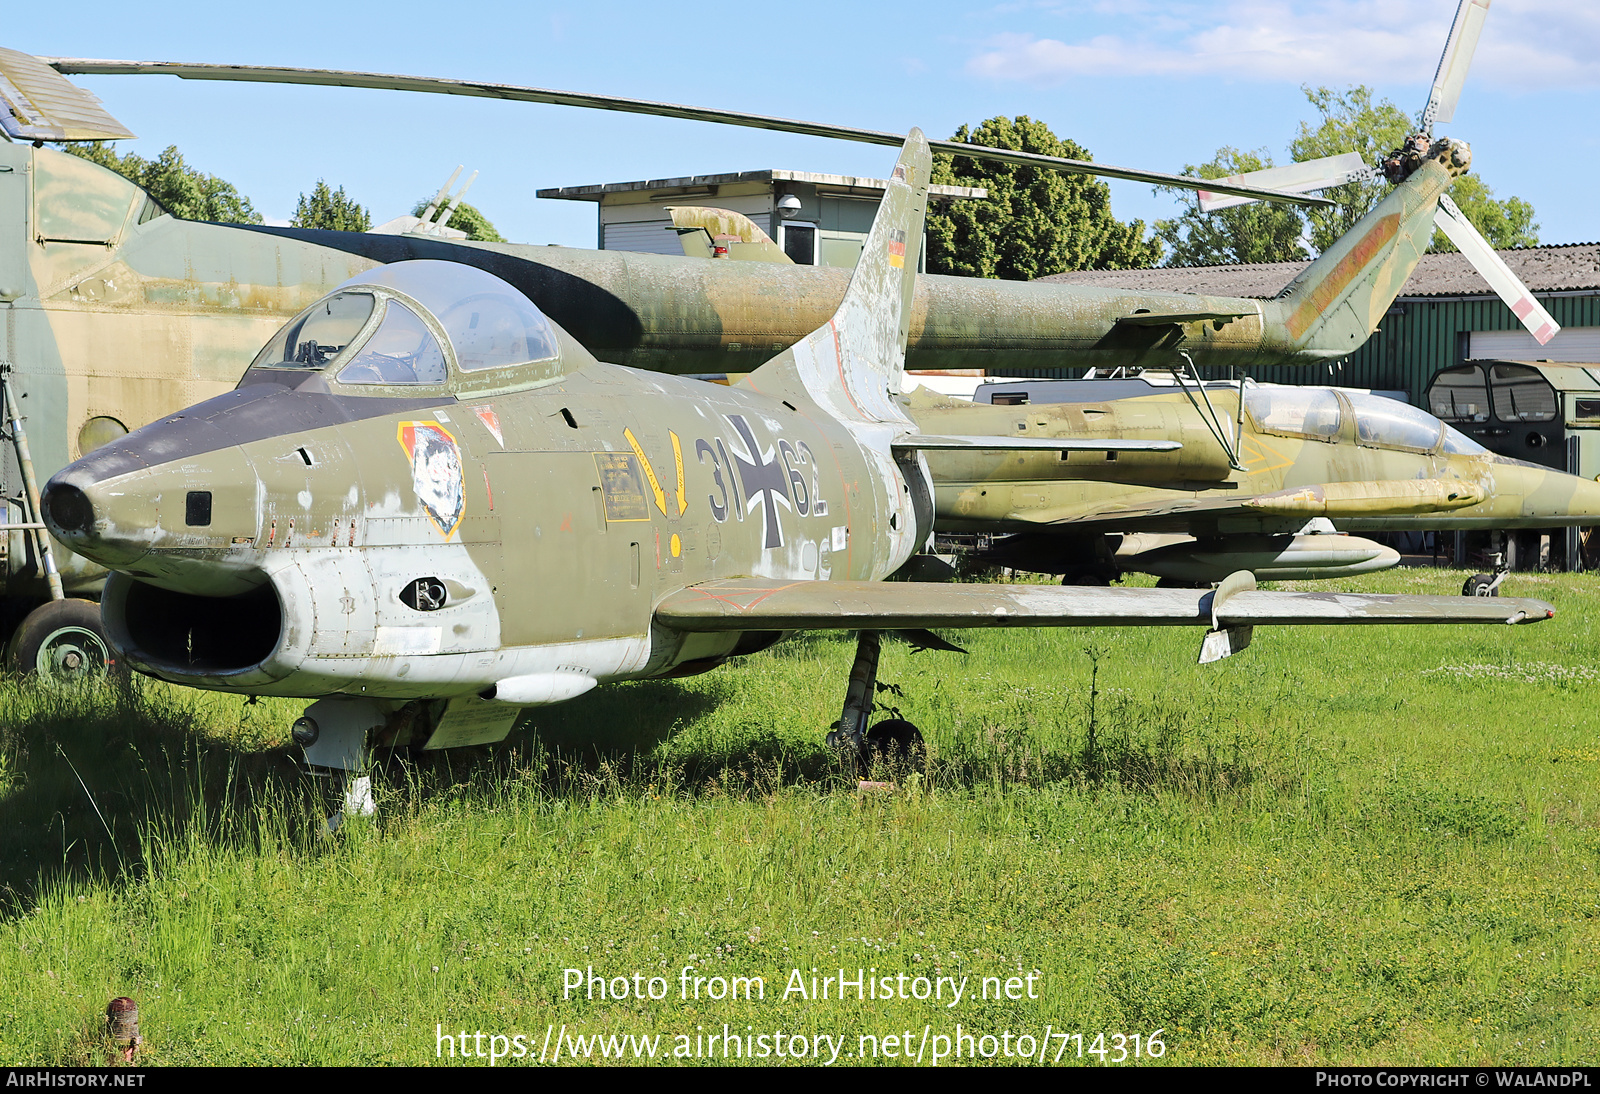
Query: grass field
x,y
1341,846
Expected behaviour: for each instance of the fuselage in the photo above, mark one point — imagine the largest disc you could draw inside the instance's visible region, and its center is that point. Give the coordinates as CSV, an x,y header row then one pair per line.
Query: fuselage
x,y
1330,444
303,535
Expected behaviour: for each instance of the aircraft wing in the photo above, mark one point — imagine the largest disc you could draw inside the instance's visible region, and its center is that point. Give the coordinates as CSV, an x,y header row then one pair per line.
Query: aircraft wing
x,y
749,604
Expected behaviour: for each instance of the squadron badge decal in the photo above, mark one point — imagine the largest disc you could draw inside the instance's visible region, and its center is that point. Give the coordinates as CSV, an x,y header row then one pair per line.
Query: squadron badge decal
x,y
436,473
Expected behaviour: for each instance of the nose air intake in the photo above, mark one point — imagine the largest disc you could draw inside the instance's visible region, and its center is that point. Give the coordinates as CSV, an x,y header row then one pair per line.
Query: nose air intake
x,y
68,508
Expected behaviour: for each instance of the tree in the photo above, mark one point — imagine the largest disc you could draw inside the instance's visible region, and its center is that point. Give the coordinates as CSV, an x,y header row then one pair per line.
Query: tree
x,y
1258,232
467,219
330,209
176,187
1034,222
1351,122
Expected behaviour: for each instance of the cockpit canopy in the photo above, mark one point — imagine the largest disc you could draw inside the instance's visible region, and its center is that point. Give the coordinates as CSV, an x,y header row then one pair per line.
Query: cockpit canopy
x,y
1380,422
411,324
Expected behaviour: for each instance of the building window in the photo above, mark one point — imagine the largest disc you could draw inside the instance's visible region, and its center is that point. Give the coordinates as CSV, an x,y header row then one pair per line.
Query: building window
x,y
800,243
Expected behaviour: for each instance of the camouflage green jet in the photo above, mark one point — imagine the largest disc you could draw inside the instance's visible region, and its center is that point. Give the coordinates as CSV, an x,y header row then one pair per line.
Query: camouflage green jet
x,y
116,314
1238,494
428,507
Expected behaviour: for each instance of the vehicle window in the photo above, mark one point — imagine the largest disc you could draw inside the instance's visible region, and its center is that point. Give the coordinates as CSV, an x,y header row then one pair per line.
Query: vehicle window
x,y
1303,411
312,339
401,351
1386,423
1460,395
1521,394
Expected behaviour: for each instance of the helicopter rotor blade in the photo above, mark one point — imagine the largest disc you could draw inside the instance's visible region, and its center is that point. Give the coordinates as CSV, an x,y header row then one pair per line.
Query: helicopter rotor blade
x,y
1292,178
1454,62
335,78
1507,285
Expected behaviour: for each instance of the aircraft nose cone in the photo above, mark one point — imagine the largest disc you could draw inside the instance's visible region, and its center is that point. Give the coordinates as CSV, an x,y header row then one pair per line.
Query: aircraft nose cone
x,y
67,510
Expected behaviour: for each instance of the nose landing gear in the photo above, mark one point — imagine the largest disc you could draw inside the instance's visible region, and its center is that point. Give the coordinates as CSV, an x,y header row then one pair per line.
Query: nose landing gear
x,y
61,641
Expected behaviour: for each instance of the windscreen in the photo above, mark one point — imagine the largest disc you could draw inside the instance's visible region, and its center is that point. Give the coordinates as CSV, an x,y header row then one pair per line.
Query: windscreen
x,y
1460,395
1521,394
312,339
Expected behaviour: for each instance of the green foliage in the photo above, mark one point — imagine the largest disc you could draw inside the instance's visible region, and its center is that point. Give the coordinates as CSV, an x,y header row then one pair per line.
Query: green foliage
x,y
1507,223
1352,122
330,209
466,218
176,187
1258,232
1033,222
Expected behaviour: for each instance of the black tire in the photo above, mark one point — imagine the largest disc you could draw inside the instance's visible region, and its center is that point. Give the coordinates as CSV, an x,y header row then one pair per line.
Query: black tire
x,y
1480,585
897,743
62,641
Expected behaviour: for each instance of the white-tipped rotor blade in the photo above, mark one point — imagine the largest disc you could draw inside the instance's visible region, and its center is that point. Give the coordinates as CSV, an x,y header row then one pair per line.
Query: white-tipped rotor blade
x,y
1507,285
1293,178
1454,63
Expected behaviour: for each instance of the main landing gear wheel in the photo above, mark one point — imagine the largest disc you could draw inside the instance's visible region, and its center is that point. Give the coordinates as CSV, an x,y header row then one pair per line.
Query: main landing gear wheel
x,y
62,641
898,744
1481,585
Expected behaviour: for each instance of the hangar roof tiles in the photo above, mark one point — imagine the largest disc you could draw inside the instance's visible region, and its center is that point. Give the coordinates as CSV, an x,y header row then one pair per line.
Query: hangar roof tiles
x,y
1562,267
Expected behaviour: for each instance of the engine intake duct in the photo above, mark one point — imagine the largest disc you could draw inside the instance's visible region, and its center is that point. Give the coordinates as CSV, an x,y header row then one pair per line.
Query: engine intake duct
x,y
186,634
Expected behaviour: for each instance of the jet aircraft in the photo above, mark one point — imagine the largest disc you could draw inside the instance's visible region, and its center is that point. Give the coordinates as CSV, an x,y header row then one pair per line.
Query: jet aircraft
x,y
428,507
117,314
1251,476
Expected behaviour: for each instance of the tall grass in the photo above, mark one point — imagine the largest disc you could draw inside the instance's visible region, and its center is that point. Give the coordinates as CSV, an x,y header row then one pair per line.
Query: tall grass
x,y
1342,846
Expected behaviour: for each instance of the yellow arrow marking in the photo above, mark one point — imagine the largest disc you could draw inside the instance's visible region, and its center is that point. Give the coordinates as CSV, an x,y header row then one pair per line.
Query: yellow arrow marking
x,y
649,472
1262,454
677,458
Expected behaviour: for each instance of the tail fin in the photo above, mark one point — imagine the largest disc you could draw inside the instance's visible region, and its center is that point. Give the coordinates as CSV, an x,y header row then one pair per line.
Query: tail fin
x,y
853,365
1337,303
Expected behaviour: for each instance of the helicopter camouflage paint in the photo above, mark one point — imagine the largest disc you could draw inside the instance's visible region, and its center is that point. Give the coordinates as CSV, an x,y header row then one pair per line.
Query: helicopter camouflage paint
x,y
431,507
1243,484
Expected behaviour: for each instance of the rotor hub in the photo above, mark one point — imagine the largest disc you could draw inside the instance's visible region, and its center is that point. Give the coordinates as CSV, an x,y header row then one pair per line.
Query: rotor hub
x,y
1418,149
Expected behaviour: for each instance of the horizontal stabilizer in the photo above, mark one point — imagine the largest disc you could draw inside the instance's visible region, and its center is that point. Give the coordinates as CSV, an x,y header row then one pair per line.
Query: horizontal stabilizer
x,y
37,103
982,443
760,604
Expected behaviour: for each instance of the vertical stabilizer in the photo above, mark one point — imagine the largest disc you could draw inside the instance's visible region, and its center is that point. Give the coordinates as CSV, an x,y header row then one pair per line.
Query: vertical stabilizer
x,y
853,365
1337,303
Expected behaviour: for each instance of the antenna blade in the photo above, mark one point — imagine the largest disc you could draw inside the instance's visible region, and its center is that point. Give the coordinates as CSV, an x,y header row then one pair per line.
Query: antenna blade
x,y
333,78
1294,178
1453,65
1507,285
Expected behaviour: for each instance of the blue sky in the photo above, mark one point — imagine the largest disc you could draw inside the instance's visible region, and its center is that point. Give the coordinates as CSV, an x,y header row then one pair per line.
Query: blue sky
x,y
1138,82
